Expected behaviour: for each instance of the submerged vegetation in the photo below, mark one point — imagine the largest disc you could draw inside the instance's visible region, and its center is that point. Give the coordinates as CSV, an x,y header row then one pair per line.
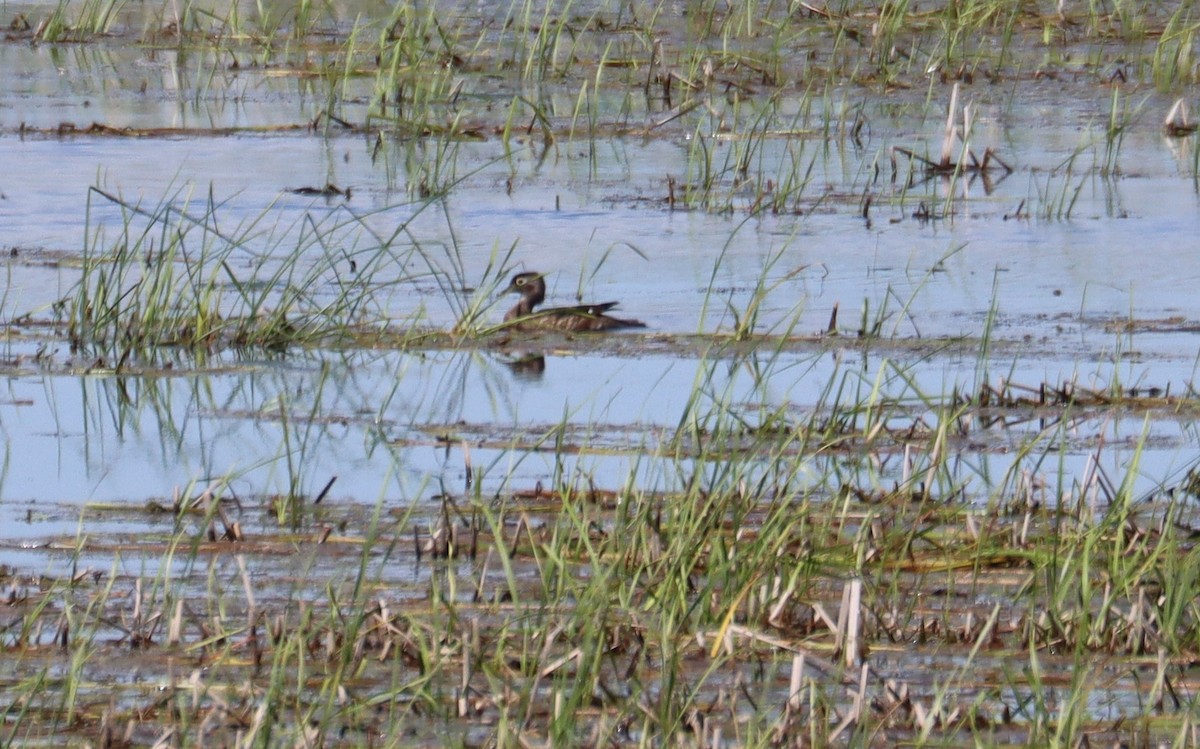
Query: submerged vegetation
x,y
845,534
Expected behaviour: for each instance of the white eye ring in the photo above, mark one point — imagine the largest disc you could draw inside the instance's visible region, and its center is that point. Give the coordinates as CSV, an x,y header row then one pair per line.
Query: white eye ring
x,y
520,282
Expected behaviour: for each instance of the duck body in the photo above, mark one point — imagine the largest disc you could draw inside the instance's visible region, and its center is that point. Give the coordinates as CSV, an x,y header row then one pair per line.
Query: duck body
x,y
580,318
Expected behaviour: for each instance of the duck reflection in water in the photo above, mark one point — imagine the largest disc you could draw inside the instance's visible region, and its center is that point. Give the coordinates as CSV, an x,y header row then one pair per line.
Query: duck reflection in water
x,y
528,366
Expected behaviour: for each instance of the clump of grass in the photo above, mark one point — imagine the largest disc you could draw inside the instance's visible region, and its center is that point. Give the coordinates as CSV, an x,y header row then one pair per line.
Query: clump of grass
x,y
176,277
1173,63
94,18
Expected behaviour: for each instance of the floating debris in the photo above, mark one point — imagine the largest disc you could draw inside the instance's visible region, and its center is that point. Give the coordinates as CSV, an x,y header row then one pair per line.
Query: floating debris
x,y
1176,124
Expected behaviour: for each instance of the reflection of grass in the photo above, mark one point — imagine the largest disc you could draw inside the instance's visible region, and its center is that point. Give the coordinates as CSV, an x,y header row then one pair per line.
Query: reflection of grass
x,y
762,93
852,568
735,81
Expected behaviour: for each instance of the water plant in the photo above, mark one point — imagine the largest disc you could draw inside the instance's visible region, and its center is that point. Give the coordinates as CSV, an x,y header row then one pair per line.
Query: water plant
x,y
865,535
793,547
94,18
175,277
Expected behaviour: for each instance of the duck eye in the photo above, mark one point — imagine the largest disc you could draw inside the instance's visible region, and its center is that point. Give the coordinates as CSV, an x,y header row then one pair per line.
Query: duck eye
x,y
520,282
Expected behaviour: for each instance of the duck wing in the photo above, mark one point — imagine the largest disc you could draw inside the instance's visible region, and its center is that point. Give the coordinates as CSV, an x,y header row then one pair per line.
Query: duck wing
x,y
582,317
578,310
596,309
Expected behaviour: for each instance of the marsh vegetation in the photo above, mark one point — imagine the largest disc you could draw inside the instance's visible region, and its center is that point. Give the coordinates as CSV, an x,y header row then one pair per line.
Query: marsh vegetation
x,y
907,454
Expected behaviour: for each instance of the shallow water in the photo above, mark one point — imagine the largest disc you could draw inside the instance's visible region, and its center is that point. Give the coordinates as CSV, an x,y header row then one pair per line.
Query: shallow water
x,y
1076,269
1046,279
404,427
591,211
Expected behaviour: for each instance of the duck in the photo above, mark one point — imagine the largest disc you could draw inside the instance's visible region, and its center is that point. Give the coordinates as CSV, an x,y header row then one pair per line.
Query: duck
x,y
580,318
